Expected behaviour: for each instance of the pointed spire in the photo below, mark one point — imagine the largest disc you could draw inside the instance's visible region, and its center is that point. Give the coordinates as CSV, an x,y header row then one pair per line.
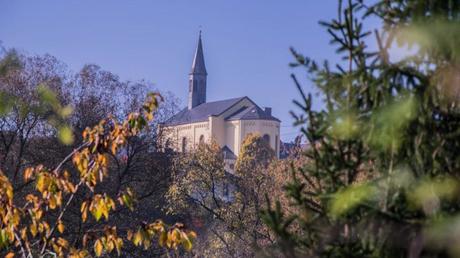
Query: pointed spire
x,y
198,66
197,78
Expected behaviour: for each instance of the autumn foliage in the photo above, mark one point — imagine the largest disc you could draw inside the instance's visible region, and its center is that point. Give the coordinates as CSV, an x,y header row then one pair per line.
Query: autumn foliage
x,y
32,225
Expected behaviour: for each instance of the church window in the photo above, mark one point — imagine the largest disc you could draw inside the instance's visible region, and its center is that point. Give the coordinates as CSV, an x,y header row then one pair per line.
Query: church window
x,y
201,139
226,190
266,138
184,144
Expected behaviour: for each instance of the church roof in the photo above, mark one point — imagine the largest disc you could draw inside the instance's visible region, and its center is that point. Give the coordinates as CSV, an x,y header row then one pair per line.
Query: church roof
x,y
250,113
228,154
201,112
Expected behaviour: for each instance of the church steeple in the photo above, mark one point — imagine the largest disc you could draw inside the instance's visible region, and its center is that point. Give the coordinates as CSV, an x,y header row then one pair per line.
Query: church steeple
x,y
197,78
198,66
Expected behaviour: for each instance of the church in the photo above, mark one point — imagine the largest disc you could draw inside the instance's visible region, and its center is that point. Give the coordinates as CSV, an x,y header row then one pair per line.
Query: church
x,y
227,121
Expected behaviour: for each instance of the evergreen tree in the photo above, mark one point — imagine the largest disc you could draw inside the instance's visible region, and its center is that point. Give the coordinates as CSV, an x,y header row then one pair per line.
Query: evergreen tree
x,y
382,173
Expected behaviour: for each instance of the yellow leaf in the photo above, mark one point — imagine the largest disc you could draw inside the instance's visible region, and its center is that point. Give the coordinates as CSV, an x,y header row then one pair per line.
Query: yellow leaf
x,y
16,218
40,184
33,229
38,214
149,116
70,187
84,211
62,242
118,245
9,192
98,247
110,203
191,234
28,174
24,233
99,211
113,148
9,255
52,202
187,244
45,226
109,246
137,240
146,243
163,238
83,206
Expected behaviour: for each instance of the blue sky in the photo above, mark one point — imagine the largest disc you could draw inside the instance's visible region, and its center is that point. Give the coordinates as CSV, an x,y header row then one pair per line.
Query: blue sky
x,y
246,43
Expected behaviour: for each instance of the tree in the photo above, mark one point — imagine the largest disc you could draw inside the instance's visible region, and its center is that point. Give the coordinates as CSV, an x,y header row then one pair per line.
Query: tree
x,y
33,209
35,225
140,164
381,179
227,205
253,182
31,108
256,154
196,192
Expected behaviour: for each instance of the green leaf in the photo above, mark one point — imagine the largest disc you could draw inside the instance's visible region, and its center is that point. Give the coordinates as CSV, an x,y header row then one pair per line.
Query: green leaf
x,y
47,96
6,103
65,111
65,135
350,198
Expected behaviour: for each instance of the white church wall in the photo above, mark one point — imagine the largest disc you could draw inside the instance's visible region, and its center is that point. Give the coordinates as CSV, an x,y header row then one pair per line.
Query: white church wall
x,y
201,130
216,125
190,132
184,134
232,133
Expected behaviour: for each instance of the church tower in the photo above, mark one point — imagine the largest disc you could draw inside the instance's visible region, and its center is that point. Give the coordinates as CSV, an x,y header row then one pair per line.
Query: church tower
x,y
227,122
197,78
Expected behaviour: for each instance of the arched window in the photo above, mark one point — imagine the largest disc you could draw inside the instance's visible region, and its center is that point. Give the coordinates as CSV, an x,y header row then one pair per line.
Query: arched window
x,y
184,144
266,138
201,141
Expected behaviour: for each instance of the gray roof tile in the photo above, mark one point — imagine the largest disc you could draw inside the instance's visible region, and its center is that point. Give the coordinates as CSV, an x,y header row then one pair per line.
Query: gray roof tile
x,y
228,154
201,112
251,113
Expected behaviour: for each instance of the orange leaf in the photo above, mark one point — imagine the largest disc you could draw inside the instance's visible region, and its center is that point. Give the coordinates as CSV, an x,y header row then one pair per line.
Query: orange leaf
x,y
60,227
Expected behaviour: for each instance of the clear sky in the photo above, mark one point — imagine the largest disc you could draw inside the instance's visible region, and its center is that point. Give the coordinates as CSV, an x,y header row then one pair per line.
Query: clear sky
x,y
246,43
